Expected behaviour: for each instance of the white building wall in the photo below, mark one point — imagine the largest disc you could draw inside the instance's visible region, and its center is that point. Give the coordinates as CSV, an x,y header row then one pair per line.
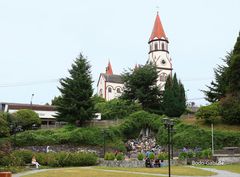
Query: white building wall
x,y
113,87
41,114
162,61
101,87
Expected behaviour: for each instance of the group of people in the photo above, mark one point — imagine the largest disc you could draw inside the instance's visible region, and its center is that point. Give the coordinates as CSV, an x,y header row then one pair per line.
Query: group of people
x,y
153,163
142,145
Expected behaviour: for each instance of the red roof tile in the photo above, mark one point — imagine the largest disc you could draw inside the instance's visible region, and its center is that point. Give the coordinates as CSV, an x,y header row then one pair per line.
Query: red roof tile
x,y
157,31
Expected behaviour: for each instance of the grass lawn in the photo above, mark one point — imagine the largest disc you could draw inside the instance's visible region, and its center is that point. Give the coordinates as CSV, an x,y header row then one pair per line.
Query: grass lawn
x,y
200,123
231,167
119,172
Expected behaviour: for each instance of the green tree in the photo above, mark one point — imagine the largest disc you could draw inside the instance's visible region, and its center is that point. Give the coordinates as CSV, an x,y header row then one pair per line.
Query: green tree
x,y
234,69
116,108
174,100
75,104
141,86
218,88
55,101
26,118
4,128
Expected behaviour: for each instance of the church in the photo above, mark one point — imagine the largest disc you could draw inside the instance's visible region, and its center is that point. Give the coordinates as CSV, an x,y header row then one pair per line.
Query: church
x,y
111,86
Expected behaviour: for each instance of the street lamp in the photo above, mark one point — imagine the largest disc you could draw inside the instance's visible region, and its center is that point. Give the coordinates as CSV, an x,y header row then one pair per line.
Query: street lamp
x,y
31,99
104,142
15,129
168,123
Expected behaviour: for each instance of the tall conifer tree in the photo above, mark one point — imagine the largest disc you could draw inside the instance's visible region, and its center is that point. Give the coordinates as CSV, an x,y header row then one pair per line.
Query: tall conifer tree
x,y
75,104
174,100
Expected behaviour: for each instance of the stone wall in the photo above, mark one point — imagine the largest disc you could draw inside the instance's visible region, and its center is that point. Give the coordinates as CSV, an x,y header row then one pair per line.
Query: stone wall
x,y
134,163
228,158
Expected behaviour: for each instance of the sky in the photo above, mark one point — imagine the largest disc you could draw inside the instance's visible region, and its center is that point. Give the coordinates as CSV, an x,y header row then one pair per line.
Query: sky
x,y
39,41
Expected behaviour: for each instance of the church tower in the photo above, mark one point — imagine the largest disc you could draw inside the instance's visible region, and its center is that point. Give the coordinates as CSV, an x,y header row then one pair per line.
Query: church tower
x,y
159,54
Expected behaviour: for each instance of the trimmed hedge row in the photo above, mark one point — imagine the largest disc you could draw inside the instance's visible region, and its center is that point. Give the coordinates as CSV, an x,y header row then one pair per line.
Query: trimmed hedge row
x,y
60,159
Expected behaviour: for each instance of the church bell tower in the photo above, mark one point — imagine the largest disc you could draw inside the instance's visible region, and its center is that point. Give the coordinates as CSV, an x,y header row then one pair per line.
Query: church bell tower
x,y
159,54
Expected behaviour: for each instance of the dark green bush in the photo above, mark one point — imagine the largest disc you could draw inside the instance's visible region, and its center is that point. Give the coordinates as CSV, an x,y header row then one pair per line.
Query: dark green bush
x,y
116,109
4,127
230,109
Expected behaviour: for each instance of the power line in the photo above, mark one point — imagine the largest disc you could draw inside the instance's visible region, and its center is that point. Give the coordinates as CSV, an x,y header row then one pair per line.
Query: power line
x,y
20,84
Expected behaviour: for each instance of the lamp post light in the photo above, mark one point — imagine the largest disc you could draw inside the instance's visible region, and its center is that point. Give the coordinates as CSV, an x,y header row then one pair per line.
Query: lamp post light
x,y
31,99
173,130
168,123
15,129
104,142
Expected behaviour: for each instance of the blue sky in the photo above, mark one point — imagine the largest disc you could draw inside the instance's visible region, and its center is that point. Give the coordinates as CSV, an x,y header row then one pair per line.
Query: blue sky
x,y
40,39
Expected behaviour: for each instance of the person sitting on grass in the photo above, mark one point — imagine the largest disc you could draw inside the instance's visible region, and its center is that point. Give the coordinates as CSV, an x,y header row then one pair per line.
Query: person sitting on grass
x,y
34,161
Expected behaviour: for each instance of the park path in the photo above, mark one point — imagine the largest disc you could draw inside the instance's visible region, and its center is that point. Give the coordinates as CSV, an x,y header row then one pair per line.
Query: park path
x,y
220,173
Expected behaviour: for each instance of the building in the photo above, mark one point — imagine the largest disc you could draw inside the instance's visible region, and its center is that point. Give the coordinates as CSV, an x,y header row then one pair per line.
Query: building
x,y
109,85
158,53
45,112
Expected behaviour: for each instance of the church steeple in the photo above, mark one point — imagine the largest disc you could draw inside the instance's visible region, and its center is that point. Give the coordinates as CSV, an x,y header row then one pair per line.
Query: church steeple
x,y
157,32
109,69
158,52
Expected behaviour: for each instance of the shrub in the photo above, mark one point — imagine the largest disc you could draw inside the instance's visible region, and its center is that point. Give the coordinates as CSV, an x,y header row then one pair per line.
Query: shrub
x,y
191,154
207,153
4,129
141,156
26,118
120,156
116,108
210,114
230,109
182,155
163,156
24,155
11,160
109,156
151,156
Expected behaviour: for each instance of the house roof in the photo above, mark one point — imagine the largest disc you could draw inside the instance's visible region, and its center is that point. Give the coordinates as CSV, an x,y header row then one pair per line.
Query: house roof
x,y
36,107
112,78
157,31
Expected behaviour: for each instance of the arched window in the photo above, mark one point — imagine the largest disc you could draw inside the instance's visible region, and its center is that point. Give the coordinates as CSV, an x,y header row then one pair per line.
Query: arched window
x,y
109,90
118,90
163,48
156,46
163,77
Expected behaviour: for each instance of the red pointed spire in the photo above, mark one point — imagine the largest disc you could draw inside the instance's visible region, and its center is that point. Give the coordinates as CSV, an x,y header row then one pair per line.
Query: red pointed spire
x,y
109,69
157,31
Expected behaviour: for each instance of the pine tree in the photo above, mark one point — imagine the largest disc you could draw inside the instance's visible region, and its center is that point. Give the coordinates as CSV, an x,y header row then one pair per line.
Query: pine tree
x,y
219,87
234,68
75,104
174,100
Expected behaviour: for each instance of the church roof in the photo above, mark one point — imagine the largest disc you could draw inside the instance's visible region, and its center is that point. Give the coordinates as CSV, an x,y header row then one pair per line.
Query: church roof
x,y
157,31
113,78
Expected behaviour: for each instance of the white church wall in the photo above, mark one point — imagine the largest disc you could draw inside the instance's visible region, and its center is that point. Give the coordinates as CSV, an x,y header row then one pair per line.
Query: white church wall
x,y
114,88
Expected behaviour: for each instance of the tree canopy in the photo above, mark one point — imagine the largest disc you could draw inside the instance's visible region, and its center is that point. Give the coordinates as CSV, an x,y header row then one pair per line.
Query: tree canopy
x,y
174,101
226,87
141,86
75,104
